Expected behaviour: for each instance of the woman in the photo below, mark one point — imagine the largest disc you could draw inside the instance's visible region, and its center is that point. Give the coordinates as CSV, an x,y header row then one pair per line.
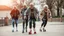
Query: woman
x,y
45,17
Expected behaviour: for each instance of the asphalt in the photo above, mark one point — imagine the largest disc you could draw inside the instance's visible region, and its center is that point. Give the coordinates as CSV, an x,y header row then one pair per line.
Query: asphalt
x,y
52,29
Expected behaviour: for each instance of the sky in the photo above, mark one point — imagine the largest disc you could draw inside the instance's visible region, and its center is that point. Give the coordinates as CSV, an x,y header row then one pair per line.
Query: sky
x,y
5,2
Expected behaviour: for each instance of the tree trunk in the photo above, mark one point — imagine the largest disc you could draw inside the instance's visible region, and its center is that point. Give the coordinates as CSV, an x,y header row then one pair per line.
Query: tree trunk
x,y
58,10
61,14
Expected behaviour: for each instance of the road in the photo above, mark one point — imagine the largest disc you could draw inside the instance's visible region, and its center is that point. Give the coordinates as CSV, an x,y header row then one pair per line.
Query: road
x,y
53,29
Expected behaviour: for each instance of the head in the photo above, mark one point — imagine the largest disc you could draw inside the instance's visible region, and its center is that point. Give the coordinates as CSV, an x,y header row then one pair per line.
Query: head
x,y
31,6
24,6
14,8
45,8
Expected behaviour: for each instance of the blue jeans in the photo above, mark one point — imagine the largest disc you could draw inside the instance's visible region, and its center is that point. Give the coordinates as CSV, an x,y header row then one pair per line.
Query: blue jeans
x,y
14,22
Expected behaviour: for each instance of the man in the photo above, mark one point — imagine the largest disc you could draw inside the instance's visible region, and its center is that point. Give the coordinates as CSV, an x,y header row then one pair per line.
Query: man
x,y
32,15
24,17
46,13
15,15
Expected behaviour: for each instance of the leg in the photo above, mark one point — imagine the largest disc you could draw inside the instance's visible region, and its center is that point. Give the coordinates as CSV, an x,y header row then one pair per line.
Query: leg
x,y
30,26
26,24
44,25
43,22
23,26
34,25
13,25
16,21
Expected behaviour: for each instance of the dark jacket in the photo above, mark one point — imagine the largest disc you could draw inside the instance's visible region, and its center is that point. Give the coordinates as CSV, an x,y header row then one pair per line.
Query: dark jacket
x,y
24,13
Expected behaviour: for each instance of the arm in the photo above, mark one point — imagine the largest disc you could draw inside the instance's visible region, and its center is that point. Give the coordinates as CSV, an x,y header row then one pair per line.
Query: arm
x,y
11,13
18,13
49,14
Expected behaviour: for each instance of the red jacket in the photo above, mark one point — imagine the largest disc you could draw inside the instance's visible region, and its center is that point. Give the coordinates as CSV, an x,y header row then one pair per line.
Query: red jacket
x,y
15,14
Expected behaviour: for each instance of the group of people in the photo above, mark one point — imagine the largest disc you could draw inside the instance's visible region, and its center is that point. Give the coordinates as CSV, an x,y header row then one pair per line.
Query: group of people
x,y
29,14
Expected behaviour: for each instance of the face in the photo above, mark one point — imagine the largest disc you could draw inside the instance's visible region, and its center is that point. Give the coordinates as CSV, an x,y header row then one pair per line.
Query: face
x,y
45,9
31,6
24,6
14,7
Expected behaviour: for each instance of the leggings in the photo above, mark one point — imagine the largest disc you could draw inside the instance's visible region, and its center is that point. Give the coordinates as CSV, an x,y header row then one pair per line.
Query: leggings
x,y
25,21
44,23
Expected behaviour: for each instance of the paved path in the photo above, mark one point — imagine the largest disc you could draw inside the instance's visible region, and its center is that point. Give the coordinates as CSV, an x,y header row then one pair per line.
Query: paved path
x,y
53,29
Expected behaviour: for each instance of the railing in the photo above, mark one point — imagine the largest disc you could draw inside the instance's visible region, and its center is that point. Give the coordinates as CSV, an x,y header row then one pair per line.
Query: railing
x,y
1,21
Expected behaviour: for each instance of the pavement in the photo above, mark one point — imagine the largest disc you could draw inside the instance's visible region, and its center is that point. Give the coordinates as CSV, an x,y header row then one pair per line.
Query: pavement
x,y
52,29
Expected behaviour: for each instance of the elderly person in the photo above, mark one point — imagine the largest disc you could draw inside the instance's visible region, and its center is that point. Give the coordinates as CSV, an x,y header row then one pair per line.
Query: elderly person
x,y
45,17
24,17
15,15
32,15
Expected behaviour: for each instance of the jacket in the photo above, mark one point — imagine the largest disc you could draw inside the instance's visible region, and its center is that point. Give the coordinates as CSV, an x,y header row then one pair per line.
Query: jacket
x,y
15,14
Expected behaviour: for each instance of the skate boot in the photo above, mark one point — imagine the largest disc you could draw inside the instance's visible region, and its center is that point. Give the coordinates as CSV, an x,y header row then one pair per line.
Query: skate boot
x,y
16,30
23,31
44,30
12,30
34,32
30,32
40,30
26,30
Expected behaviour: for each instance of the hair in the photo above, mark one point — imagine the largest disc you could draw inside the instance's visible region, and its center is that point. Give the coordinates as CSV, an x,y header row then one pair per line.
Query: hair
x,y
45,6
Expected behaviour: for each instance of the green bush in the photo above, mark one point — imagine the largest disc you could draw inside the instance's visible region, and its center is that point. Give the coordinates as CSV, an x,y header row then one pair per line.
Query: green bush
x,y
56,17
62,15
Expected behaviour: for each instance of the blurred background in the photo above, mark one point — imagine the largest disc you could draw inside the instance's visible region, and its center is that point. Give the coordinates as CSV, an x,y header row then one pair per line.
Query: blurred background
x,y
55,25
56,7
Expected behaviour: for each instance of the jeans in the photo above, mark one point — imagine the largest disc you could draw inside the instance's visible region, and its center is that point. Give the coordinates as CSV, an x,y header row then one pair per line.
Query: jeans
x,y
14,22
30,23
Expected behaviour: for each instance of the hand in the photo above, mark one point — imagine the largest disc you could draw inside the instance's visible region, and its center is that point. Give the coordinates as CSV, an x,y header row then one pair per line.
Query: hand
x,y
11,15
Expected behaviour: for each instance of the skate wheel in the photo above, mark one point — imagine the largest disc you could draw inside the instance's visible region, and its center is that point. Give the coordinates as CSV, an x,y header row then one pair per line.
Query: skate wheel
x,y
30,33
34,32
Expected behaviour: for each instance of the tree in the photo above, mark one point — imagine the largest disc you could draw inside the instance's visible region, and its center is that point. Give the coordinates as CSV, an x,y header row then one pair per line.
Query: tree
x,y
59,4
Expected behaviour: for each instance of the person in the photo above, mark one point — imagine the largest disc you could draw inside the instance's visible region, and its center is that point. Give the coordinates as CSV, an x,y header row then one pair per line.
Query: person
x,y
15,15
24,17
45,17
32,15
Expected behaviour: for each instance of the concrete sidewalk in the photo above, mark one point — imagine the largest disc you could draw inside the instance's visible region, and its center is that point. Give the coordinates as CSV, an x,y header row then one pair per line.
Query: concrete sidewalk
x,y
53,29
